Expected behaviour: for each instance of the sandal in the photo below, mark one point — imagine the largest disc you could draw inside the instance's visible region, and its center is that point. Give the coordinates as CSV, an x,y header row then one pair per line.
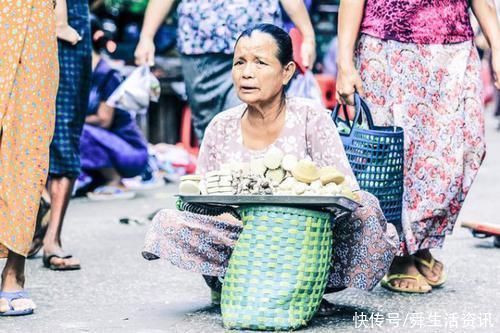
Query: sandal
x,y
422,288
326,309
62,267
42,223
430,265
12,296
103,193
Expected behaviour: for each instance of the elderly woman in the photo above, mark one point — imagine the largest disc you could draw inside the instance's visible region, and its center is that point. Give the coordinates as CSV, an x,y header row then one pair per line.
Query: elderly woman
x,y
416,65
363,248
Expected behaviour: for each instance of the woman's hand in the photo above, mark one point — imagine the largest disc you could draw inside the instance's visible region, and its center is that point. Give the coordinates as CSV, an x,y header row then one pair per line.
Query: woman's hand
x,y
495,66
308,53
145,52
348,82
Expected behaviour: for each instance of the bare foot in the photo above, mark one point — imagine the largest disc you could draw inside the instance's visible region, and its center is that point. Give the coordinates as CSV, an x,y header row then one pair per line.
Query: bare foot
x,y
59,262
406,266
68,34
12,282
432,273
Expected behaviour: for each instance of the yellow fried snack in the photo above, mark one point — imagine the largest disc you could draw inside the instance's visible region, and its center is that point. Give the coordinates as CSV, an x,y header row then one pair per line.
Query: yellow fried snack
x,y
305,171
330,174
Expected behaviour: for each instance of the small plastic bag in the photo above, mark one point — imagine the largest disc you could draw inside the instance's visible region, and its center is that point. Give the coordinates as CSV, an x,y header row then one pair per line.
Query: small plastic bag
x,y
135,93
305,85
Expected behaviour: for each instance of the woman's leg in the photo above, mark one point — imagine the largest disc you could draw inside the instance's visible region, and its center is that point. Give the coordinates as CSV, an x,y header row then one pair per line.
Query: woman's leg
x,y
12,281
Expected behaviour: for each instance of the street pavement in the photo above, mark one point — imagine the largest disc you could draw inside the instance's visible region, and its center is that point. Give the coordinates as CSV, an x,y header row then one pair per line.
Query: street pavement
x,y
118,291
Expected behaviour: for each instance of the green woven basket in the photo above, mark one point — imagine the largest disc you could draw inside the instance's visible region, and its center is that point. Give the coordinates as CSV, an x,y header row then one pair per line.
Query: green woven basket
x,y
278,270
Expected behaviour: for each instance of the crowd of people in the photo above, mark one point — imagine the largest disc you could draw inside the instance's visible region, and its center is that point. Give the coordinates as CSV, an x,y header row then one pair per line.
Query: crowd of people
x,y
414,63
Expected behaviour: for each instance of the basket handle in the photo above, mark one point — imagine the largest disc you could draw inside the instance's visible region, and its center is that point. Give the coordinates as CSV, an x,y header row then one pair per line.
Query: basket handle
x,y
360,108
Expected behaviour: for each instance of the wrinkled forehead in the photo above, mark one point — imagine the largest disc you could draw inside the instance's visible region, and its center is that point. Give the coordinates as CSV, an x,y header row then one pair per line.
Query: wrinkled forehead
x,y
258,44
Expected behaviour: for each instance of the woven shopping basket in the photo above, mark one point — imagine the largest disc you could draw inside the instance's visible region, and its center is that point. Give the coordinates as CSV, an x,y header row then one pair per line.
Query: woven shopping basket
x,y
278,270
376,155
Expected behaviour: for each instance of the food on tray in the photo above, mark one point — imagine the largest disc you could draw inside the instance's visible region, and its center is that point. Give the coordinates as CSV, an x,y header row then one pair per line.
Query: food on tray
x,y
305,171
276,173
273,158
289,162
189,186
257,167
330,174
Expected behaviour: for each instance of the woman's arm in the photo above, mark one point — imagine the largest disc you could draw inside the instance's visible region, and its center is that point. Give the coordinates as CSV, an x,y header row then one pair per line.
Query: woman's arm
x,y
103,118
348,79
156,12
486,14
297,11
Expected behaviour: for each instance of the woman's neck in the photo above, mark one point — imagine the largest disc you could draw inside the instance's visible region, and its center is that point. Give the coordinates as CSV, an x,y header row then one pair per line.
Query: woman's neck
x,y
263,113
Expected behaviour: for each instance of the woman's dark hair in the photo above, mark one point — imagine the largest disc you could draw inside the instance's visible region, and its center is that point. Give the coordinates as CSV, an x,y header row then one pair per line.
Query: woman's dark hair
x,y
98,44
280,36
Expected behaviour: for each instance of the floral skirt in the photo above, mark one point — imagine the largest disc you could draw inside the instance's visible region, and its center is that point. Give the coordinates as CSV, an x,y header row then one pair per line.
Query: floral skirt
x,y
363,246
434,93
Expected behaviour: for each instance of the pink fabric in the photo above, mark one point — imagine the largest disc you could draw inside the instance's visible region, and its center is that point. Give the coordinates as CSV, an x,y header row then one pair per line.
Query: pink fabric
x,y
308,130
434,93
418,21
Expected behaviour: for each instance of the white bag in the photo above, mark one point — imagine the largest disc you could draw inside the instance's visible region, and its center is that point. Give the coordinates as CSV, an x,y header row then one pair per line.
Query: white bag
x,y
305,85
134,94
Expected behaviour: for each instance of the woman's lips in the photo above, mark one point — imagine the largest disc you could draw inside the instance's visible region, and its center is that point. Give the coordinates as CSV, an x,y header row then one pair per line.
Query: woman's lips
x,y
248,89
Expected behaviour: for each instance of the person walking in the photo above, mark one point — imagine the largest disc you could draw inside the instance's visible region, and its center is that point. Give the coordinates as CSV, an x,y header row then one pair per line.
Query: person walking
x,y
28,87
71,108
206,37
417,67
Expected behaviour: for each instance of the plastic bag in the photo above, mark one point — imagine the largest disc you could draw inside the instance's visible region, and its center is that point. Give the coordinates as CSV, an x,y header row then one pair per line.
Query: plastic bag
x,y
134,94
305,85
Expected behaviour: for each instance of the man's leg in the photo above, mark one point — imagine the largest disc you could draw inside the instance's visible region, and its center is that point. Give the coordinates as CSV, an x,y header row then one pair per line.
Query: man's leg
x,y
60,189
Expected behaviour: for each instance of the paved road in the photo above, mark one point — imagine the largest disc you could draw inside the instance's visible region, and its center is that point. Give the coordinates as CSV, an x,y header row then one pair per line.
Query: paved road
x,y
118,291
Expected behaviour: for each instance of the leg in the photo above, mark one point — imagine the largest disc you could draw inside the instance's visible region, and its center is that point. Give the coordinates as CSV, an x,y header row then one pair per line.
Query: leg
x,y
13,281
60,189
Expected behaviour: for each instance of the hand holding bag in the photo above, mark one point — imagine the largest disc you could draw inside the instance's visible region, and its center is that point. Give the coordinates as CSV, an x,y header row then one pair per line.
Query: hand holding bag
x,y
376,155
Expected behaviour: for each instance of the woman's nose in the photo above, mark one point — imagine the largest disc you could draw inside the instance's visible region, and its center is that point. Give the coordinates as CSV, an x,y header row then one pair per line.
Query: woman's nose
x,y
248,71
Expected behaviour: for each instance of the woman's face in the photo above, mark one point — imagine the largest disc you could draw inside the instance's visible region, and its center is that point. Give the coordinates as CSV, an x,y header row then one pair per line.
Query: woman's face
x,y
258,75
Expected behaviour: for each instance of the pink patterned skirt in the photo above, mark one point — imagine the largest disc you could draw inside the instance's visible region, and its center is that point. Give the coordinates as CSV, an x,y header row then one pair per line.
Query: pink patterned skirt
x,y
434,93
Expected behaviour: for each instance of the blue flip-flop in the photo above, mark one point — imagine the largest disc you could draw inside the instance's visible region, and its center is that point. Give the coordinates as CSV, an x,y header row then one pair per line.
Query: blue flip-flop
x,y
11,296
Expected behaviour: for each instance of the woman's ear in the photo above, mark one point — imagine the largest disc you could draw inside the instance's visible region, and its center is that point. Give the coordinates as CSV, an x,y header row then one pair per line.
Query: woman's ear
x,y
288,72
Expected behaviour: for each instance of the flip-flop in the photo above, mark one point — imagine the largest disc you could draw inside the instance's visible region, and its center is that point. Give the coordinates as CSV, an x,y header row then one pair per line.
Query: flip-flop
x,y
11,296
104,193
49,265
386,283
430,265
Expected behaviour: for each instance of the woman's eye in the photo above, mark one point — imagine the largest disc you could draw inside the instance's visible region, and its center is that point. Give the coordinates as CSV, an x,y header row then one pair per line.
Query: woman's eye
x,y
239,62
260,62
